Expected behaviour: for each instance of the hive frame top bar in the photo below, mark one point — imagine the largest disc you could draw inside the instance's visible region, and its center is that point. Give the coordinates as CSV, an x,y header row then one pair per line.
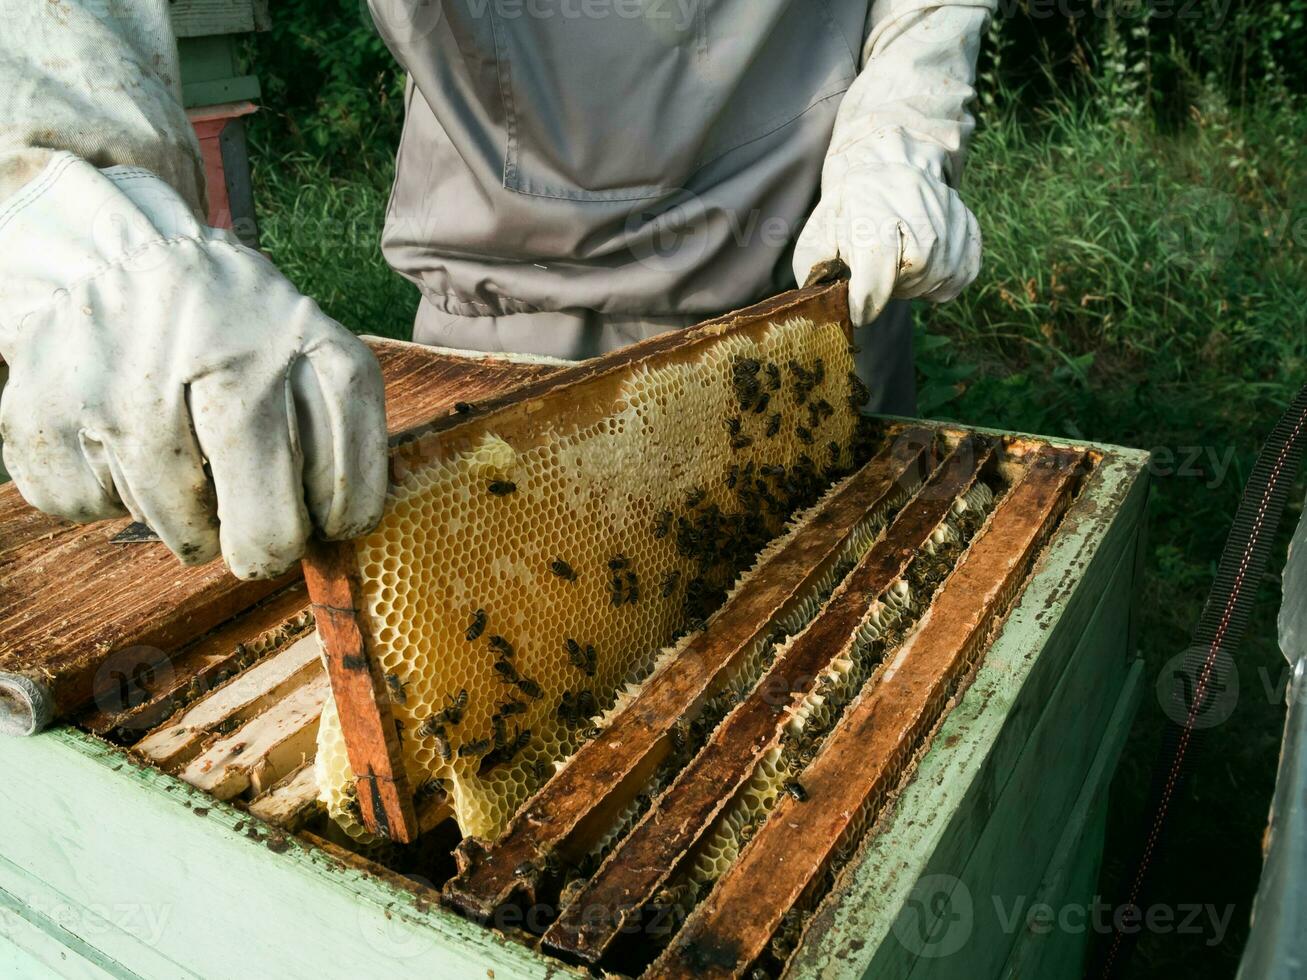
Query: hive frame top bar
x,y
455,432
581,392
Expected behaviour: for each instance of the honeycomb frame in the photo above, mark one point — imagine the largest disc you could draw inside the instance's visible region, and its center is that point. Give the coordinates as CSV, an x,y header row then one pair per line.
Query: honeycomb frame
x,y
388,736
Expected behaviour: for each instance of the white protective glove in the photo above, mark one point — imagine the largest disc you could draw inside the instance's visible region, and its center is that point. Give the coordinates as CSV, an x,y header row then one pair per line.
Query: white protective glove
x,y
158,366
888,205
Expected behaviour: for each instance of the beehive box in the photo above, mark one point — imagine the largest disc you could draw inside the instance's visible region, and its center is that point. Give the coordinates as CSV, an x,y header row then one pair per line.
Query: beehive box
x,y
993,795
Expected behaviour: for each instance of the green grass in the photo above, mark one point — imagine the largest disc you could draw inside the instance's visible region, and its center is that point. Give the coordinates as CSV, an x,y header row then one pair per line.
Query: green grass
x,y
1139,288
322,226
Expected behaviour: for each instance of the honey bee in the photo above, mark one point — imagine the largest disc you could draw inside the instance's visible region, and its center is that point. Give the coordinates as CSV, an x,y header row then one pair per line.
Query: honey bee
x,y
528,687
542,770
804,434
695,497
586,705
760,405
773,425
662,524
787,937
462,408
511,707
591,661
398,692
741,442
858,392
733,476
507,749
670,581
632,588
454,707
506,671
795,791
773,376
772,469
427,789
478,626
501,488
479,747
617,562
567,712
833,451
442,746
562,569
733,425
571,892
500,645
432,727
575,655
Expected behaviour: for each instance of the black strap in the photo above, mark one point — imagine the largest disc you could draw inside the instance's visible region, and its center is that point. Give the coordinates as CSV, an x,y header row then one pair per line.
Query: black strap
x,y
1196,699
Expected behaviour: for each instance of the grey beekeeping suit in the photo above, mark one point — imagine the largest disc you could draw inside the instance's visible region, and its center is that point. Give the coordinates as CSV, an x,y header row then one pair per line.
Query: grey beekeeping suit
x,y
577,176
574,175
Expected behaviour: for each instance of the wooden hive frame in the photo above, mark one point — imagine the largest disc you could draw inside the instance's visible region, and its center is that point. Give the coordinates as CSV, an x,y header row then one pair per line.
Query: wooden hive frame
x,y
575,395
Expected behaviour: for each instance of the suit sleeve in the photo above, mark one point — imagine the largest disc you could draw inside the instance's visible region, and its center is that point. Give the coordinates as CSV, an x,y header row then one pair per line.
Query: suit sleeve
x,y
98,79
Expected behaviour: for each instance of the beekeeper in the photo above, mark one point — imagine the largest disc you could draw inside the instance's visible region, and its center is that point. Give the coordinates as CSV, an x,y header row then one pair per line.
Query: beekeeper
x,y
574,175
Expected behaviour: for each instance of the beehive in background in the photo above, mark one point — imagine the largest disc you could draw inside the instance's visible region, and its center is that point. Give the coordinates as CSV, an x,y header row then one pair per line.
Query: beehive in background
x,y
533,560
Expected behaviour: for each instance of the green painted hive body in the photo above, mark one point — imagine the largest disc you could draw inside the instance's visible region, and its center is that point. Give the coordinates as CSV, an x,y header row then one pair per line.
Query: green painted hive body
x,y
109,868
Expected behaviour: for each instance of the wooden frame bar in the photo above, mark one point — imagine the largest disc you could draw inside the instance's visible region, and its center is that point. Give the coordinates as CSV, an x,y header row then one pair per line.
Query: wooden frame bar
x,y
362,700
663,839
578,803
877,736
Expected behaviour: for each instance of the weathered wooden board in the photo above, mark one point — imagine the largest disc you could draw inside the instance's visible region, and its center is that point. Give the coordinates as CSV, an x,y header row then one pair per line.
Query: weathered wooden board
x,y
654,850
256,690
198,666
362,700
876,737
933,824
203,18
70,599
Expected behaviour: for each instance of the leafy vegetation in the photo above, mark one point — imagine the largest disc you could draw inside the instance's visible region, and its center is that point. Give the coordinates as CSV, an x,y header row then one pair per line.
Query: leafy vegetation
x,y
1138,176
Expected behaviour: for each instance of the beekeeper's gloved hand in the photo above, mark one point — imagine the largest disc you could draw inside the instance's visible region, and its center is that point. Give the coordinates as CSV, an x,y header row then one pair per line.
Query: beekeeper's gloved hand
x,y
888,205
159,367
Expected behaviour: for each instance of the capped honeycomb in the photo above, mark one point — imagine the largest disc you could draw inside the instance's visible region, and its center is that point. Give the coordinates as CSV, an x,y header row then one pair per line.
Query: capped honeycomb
x,y
516,584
